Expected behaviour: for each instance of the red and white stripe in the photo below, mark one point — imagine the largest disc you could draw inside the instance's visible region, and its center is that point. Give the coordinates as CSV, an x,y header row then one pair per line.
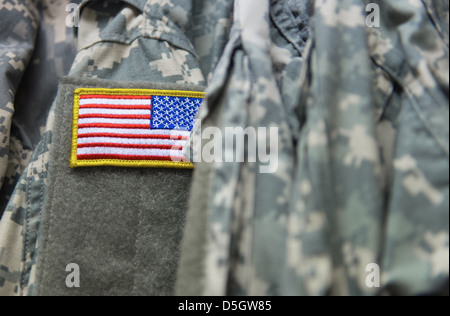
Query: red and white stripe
x,y
119,127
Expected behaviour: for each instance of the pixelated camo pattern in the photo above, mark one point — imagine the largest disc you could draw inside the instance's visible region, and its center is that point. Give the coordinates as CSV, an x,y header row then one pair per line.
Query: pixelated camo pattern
x,y
363,151
153,41
35,49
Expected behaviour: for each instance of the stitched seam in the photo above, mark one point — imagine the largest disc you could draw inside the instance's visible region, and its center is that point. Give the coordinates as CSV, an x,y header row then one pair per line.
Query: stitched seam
x,y
416,105
426,121
140,92
132,163
42,198
436,23
76,102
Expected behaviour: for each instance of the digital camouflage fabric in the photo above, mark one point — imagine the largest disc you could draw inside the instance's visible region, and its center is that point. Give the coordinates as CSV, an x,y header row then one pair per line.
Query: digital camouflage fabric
x,y
36,49
363,153
362,118
137,43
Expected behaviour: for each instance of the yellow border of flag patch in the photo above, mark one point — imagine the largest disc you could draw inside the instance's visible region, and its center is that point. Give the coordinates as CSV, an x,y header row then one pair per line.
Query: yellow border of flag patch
x,y
74,162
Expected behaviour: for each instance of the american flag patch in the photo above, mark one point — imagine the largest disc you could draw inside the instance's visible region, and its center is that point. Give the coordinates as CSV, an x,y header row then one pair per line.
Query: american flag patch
x,y
132,128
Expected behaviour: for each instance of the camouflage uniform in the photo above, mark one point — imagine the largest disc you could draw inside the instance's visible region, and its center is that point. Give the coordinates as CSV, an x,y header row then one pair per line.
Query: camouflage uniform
x,y
362,117
35,50
141,44
363,154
